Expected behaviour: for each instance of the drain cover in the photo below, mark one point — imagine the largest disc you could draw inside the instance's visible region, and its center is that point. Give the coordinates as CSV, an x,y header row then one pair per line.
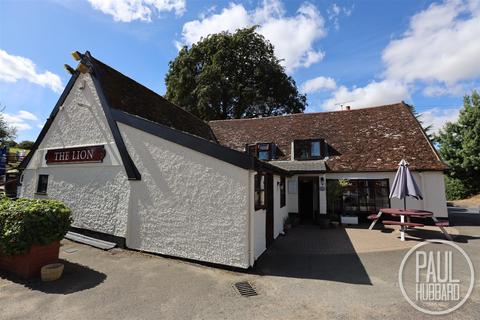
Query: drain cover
x,y
245,289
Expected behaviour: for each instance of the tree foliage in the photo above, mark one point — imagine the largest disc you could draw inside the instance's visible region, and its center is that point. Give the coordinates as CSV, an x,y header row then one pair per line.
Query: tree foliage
x,y
227,75
6,132
460,148
26,144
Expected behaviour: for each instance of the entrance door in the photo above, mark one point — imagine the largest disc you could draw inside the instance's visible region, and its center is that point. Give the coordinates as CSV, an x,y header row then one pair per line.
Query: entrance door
x,y
269,208
308,199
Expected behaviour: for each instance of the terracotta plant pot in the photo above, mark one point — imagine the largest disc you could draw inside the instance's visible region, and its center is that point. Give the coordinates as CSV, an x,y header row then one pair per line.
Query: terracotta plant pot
x,y
28,265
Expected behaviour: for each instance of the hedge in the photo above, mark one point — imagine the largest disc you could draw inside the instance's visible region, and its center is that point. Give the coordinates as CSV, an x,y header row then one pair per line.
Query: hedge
x,y
24,222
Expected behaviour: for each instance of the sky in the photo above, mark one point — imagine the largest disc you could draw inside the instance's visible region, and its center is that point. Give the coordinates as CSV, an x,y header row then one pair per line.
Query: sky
x,y
358,53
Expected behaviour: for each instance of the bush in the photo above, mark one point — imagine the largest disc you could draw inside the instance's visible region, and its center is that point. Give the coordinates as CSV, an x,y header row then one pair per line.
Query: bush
x,y
24,222
455,189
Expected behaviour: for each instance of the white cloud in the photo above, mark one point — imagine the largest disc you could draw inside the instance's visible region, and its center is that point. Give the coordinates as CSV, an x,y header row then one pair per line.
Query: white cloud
x,y
438,117
374,94
129,10
20,119
318,84
335,11
441,46
14,68
292,36
439,52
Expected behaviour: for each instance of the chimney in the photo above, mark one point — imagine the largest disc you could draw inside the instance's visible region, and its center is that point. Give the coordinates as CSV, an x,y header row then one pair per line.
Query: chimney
x,y
347,108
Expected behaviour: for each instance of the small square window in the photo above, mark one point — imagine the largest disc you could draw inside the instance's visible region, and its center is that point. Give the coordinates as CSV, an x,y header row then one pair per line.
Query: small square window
x,y
42,184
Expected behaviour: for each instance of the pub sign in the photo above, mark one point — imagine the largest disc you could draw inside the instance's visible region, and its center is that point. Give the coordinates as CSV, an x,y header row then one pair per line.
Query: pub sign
x,y
76,155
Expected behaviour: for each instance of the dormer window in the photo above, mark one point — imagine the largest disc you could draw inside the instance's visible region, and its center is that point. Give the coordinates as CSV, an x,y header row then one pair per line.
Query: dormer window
x,y
310,149
263,151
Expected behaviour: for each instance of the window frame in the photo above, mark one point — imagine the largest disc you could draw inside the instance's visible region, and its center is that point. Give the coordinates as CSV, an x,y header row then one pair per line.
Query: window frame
x,y
255,149
283,192
259,188
356,193
306,144
41,184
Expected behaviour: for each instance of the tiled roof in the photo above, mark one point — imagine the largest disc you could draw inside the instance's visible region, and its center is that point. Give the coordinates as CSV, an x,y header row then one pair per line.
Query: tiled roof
x,y
370,139
129,96
300,166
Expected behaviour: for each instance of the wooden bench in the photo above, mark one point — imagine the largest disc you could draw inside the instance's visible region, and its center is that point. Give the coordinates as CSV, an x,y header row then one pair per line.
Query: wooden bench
x,y
403,224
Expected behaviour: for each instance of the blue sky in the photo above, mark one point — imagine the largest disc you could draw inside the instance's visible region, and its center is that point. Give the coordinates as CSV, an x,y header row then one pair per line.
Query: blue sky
x,y
362,53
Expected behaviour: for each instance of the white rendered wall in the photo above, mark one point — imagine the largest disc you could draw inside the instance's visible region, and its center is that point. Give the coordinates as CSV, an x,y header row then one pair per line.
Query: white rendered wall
x,y
187,204
97,193
279,214
430,182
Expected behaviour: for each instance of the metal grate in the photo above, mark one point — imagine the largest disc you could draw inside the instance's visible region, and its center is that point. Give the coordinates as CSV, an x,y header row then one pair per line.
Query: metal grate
x,y
245,289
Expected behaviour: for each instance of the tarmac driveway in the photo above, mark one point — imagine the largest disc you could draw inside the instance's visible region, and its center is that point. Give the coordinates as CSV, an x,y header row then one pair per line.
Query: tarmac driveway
x,y
296,278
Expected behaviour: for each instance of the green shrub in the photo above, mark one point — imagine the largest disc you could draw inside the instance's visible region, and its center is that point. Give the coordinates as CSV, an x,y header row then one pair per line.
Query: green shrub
x,y
455,189
24,222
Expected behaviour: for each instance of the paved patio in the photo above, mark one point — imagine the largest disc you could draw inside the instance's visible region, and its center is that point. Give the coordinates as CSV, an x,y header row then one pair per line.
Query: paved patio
x,y
308,274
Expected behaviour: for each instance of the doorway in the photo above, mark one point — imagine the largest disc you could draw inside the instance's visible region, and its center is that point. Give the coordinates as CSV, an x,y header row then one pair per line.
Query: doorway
x,y
308,199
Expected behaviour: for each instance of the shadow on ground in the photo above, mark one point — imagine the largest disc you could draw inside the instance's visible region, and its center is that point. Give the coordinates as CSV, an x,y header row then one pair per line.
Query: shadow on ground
x,y
76,277
463,217
308,252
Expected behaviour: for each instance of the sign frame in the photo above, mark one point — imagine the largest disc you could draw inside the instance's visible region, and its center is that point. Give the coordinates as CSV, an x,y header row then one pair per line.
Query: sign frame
x,y
87,154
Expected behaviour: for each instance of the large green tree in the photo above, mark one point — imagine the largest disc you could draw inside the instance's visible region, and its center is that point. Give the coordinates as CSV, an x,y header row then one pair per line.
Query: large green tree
x,y
232,75
460,148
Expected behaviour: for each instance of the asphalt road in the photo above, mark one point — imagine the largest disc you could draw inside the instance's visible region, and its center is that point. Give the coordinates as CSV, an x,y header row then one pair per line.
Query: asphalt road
x,y
123,284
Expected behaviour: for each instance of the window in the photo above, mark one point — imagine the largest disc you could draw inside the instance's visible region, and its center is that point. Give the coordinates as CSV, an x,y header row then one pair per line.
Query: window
x,y
42,184
357,196
259,191
309,149
282,192
263,151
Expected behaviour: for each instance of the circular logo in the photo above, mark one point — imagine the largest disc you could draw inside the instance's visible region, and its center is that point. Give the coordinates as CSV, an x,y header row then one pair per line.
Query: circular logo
x,y
436,279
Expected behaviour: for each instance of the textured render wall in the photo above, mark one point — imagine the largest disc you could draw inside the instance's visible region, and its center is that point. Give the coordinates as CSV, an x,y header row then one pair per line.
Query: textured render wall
x,y
96,192
431,184
187,204
279,214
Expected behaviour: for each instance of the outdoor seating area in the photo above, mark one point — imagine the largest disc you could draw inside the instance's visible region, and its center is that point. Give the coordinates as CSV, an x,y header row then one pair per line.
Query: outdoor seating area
x,y
405,220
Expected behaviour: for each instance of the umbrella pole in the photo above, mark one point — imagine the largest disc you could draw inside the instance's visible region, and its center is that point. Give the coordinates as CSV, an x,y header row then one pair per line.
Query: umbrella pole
x,y
405,203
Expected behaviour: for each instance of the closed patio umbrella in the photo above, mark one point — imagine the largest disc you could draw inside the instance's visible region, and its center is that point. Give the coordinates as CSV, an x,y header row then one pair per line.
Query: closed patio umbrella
x,y
404,184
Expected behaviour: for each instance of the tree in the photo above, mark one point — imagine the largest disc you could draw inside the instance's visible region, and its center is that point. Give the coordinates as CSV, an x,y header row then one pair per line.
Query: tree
x,y
227,75
460,148
427,129
6,132
10,143
26,144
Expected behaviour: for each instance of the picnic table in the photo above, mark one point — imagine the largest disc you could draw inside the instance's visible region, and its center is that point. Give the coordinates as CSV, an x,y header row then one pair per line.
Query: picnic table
x,y
406,214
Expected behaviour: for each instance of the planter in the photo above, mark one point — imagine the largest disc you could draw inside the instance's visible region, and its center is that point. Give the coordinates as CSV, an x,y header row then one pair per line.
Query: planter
x,y
28,265
52,272
349,219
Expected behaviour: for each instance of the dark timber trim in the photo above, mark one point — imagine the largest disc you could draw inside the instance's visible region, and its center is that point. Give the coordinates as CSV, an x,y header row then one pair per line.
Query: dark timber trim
x,y
130,168
49,121
198,144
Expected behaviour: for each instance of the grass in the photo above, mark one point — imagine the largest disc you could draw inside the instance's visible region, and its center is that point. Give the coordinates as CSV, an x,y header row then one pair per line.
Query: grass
x,y
15,149
469,202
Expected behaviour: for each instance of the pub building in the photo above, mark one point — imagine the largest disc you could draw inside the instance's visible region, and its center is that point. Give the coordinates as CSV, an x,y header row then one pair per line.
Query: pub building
x,y
134,167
